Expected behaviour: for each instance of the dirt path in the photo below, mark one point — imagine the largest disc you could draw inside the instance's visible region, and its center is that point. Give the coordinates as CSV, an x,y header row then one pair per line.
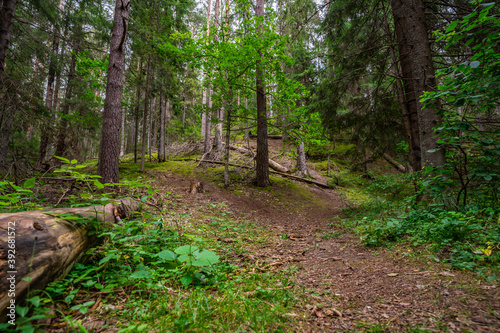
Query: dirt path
x,y
351,287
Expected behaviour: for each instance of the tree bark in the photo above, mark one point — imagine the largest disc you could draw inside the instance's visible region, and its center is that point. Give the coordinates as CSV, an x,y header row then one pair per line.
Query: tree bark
x,y
7,10
301,161
262,159
49,96
47,246
110,140
137,108
145,116
161,146
418,76
63,127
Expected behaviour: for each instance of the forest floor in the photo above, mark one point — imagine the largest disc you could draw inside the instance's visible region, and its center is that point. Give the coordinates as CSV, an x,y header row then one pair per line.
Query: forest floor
x,y
350,287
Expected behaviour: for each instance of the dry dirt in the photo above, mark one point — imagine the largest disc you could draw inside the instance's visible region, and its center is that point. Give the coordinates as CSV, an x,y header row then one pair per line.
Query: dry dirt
x,y
352,287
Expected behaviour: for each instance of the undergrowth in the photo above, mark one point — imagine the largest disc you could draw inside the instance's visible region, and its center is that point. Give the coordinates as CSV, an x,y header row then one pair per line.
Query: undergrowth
x,y
386,210
173,268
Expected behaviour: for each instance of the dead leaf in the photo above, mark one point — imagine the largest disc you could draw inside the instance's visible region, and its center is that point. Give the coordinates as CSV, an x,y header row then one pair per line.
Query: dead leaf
x,y
479,319
446,274
318,313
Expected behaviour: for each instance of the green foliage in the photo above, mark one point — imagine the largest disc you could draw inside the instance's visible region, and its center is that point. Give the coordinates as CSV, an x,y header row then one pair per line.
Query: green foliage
x,y
469,94
468,239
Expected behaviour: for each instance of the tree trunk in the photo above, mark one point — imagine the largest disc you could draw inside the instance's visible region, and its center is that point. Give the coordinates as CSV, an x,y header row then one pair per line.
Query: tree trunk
x,y
63,127
7,10
123,131
418,70
49,96
137,108
228,135
161,146
262,158
204,114
145,116
47,246
208,142
110,141
301,161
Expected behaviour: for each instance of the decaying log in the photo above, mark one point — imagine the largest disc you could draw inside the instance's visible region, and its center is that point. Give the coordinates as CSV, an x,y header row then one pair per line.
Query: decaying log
x,y
278,167
43,246
394,163
272,164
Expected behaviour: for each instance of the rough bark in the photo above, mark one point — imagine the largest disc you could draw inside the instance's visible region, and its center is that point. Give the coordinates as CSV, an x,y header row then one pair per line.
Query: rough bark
x,y
137,108
262,158
46,246
123,132
161,146
418,69
145,116
7,10
110,140
301,161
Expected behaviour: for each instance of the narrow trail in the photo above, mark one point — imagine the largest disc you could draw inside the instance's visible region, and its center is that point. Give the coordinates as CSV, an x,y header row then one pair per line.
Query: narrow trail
x,y
353,287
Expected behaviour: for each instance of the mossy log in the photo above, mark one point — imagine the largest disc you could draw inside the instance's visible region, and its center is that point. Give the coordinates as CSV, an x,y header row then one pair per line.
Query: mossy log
x,y
42,246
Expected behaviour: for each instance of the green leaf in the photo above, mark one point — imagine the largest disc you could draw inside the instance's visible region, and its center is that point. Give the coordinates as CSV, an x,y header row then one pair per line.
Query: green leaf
x,y
140,273
34,300
28,329
22,311
451,26
98,184
65,160
186,249
144,198
207,257
167,255
29,183
487,177
186,280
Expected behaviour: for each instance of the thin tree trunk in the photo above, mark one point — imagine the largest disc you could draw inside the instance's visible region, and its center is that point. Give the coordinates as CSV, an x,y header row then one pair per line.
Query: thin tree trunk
x,y
145,116
262,158
208,142
123,131
161,146
204,114
49,97
63,126
137,108
110,141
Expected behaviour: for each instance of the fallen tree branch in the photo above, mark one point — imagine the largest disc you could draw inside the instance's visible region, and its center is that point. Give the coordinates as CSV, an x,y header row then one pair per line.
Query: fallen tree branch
x,y
394,163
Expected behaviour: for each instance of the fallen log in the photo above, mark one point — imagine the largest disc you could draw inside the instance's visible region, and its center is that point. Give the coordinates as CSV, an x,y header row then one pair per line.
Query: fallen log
x,y
272,164
38,247
394,163
305,180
